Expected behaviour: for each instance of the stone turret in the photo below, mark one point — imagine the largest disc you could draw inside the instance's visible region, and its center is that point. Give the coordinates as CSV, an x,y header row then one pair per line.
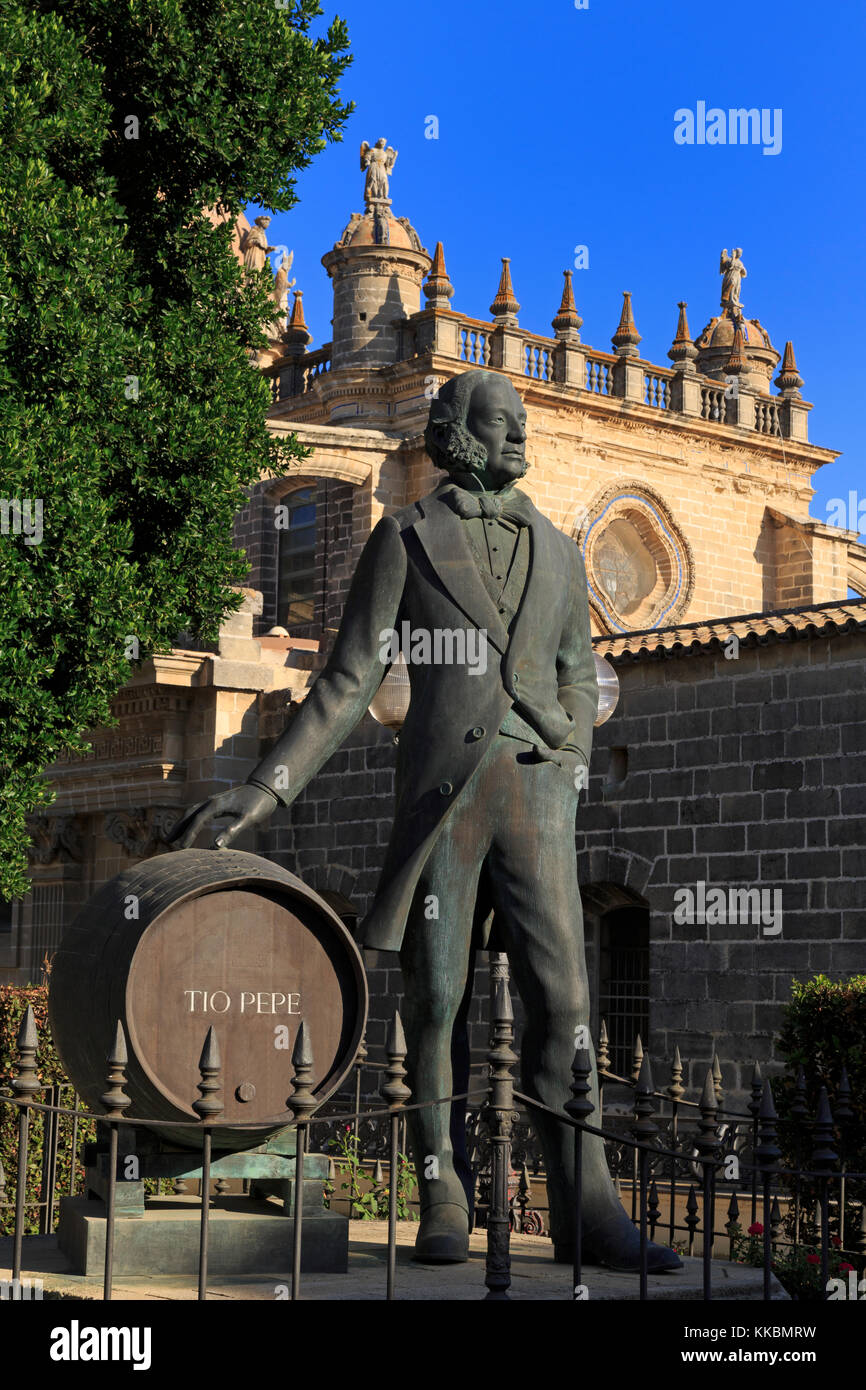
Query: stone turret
x,y
377,267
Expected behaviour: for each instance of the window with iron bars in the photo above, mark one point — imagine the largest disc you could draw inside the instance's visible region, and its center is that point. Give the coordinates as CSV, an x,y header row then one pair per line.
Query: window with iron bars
x,y
624,982
47,928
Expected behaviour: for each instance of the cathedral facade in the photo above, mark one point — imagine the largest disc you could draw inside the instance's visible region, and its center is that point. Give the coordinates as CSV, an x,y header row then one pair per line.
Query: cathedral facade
x,y
720,842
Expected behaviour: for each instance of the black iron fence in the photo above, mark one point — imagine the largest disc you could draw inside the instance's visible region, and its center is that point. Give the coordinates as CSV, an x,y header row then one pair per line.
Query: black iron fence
x,y
690,1170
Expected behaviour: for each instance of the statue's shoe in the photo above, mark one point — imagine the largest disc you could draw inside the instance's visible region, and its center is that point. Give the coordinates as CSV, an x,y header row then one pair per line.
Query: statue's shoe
x,y
660,1259
443,1237
615,1241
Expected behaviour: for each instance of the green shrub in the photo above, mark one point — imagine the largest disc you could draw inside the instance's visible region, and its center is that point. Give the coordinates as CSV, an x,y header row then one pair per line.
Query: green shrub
x,y
14,1000
824,1030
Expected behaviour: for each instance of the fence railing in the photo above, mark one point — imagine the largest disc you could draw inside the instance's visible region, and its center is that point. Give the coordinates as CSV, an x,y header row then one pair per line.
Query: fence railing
x,y
703,1157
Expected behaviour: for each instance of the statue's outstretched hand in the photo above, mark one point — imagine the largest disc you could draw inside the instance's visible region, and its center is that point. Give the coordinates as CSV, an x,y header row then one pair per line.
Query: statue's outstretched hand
x,y
247,804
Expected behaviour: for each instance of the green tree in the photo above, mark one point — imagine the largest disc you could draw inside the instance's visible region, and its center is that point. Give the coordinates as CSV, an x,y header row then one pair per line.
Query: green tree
x,y
132,418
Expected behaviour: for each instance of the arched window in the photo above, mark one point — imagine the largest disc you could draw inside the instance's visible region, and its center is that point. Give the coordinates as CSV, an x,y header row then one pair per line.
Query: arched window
x,y
296,581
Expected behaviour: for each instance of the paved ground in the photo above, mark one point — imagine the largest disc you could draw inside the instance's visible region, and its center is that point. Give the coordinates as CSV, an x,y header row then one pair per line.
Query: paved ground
x,y
534,1275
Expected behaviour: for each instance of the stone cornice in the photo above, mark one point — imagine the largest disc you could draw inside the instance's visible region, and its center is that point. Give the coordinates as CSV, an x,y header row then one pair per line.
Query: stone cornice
x,y
628,415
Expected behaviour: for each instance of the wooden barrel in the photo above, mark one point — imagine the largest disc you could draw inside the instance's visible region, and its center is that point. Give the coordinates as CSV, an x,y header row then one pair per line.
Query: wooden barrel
x,y
199,937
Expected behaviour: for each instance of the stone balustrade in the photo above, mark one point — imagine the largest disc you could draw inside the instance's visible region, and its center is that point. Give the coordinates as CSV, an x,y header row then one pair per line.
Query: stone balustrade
x,y
676,391
298,375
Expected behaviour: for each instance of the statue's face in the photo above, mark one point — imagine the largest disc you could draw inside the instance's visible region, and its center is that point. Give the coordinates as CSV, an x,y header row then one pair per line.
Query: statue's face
x,y
497,419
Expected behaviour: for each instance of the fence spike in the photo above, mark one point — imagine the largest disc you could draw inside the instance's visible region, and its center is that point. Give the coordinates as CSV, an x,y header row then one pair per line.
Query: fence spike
x,y
767,1150
843,1110
302,1052
114,1098
524,1187
676,1090
645,1127
209,1065
799,1108
394,1089
733,1210
636,1058
603,1053
26,1079
378,1175
580,1104
707,1136
395,1045
717,1078
302,1100
824,1156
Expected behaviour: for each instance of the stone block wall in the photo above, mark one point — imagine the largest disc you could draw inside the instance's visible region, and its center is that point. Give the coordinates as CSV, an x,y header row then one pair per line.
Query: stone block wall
x,y
743,774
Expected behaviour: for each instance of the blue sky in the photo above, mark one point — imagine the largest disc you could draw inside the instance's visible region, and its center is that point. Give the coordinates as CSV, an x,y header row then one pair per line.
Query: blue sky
x,y
556,129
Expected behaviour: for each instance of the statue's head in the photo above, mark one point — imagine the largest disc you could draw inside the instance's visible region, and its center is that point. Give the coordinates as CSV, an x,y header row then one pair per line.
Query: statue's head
x,y
477,425
380,144
738,251
263,221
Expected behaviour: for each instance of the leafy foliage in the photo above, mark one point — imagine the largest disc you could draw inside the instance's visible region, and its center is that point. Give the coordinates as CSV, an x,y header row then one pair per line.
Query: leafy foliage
x,y
824,1030
368,1200
13,1005
798,1268
130,407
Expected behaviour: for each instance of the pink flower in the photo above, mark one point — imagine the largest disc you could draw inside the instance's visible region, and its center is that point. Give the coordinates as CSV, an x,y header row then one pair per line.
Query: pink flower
x,y
813,1259
756,1229
837,1242
844,1268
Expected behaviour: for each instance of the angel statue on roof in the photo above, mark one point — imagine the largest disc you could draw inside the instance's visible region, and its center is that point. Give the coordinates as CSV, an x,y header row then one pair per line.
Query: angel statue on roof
x,y
282,283
254,245
734,272
378,161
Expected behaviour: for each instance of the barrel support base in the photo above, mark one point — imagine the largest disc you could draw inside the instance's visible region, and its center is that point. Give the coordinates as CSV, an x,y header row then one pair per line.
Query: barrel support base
x,y
270,1173
245,1237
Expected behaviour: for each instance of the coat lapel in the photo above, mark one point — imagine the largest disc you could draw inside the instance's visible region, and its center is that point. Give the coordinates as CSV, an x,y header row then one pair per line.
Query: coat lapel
x,y
441,533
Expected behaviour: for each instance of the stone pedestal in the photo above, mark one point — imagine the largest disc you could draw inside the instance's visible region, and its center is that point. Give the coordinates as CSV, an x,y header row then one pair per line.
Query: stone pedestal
x,y
245,1237
248,1234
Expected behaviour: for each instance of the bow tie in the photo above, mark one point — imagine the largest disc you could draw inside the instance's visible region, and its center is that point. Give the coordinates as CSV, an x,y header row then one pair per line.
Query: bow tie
x,y
510,504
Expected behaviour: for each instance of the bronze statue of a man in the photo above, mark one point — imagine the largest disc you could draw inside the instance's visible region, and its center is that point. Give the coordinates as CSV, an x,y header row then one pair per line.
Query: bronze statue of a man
x,y
489,765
